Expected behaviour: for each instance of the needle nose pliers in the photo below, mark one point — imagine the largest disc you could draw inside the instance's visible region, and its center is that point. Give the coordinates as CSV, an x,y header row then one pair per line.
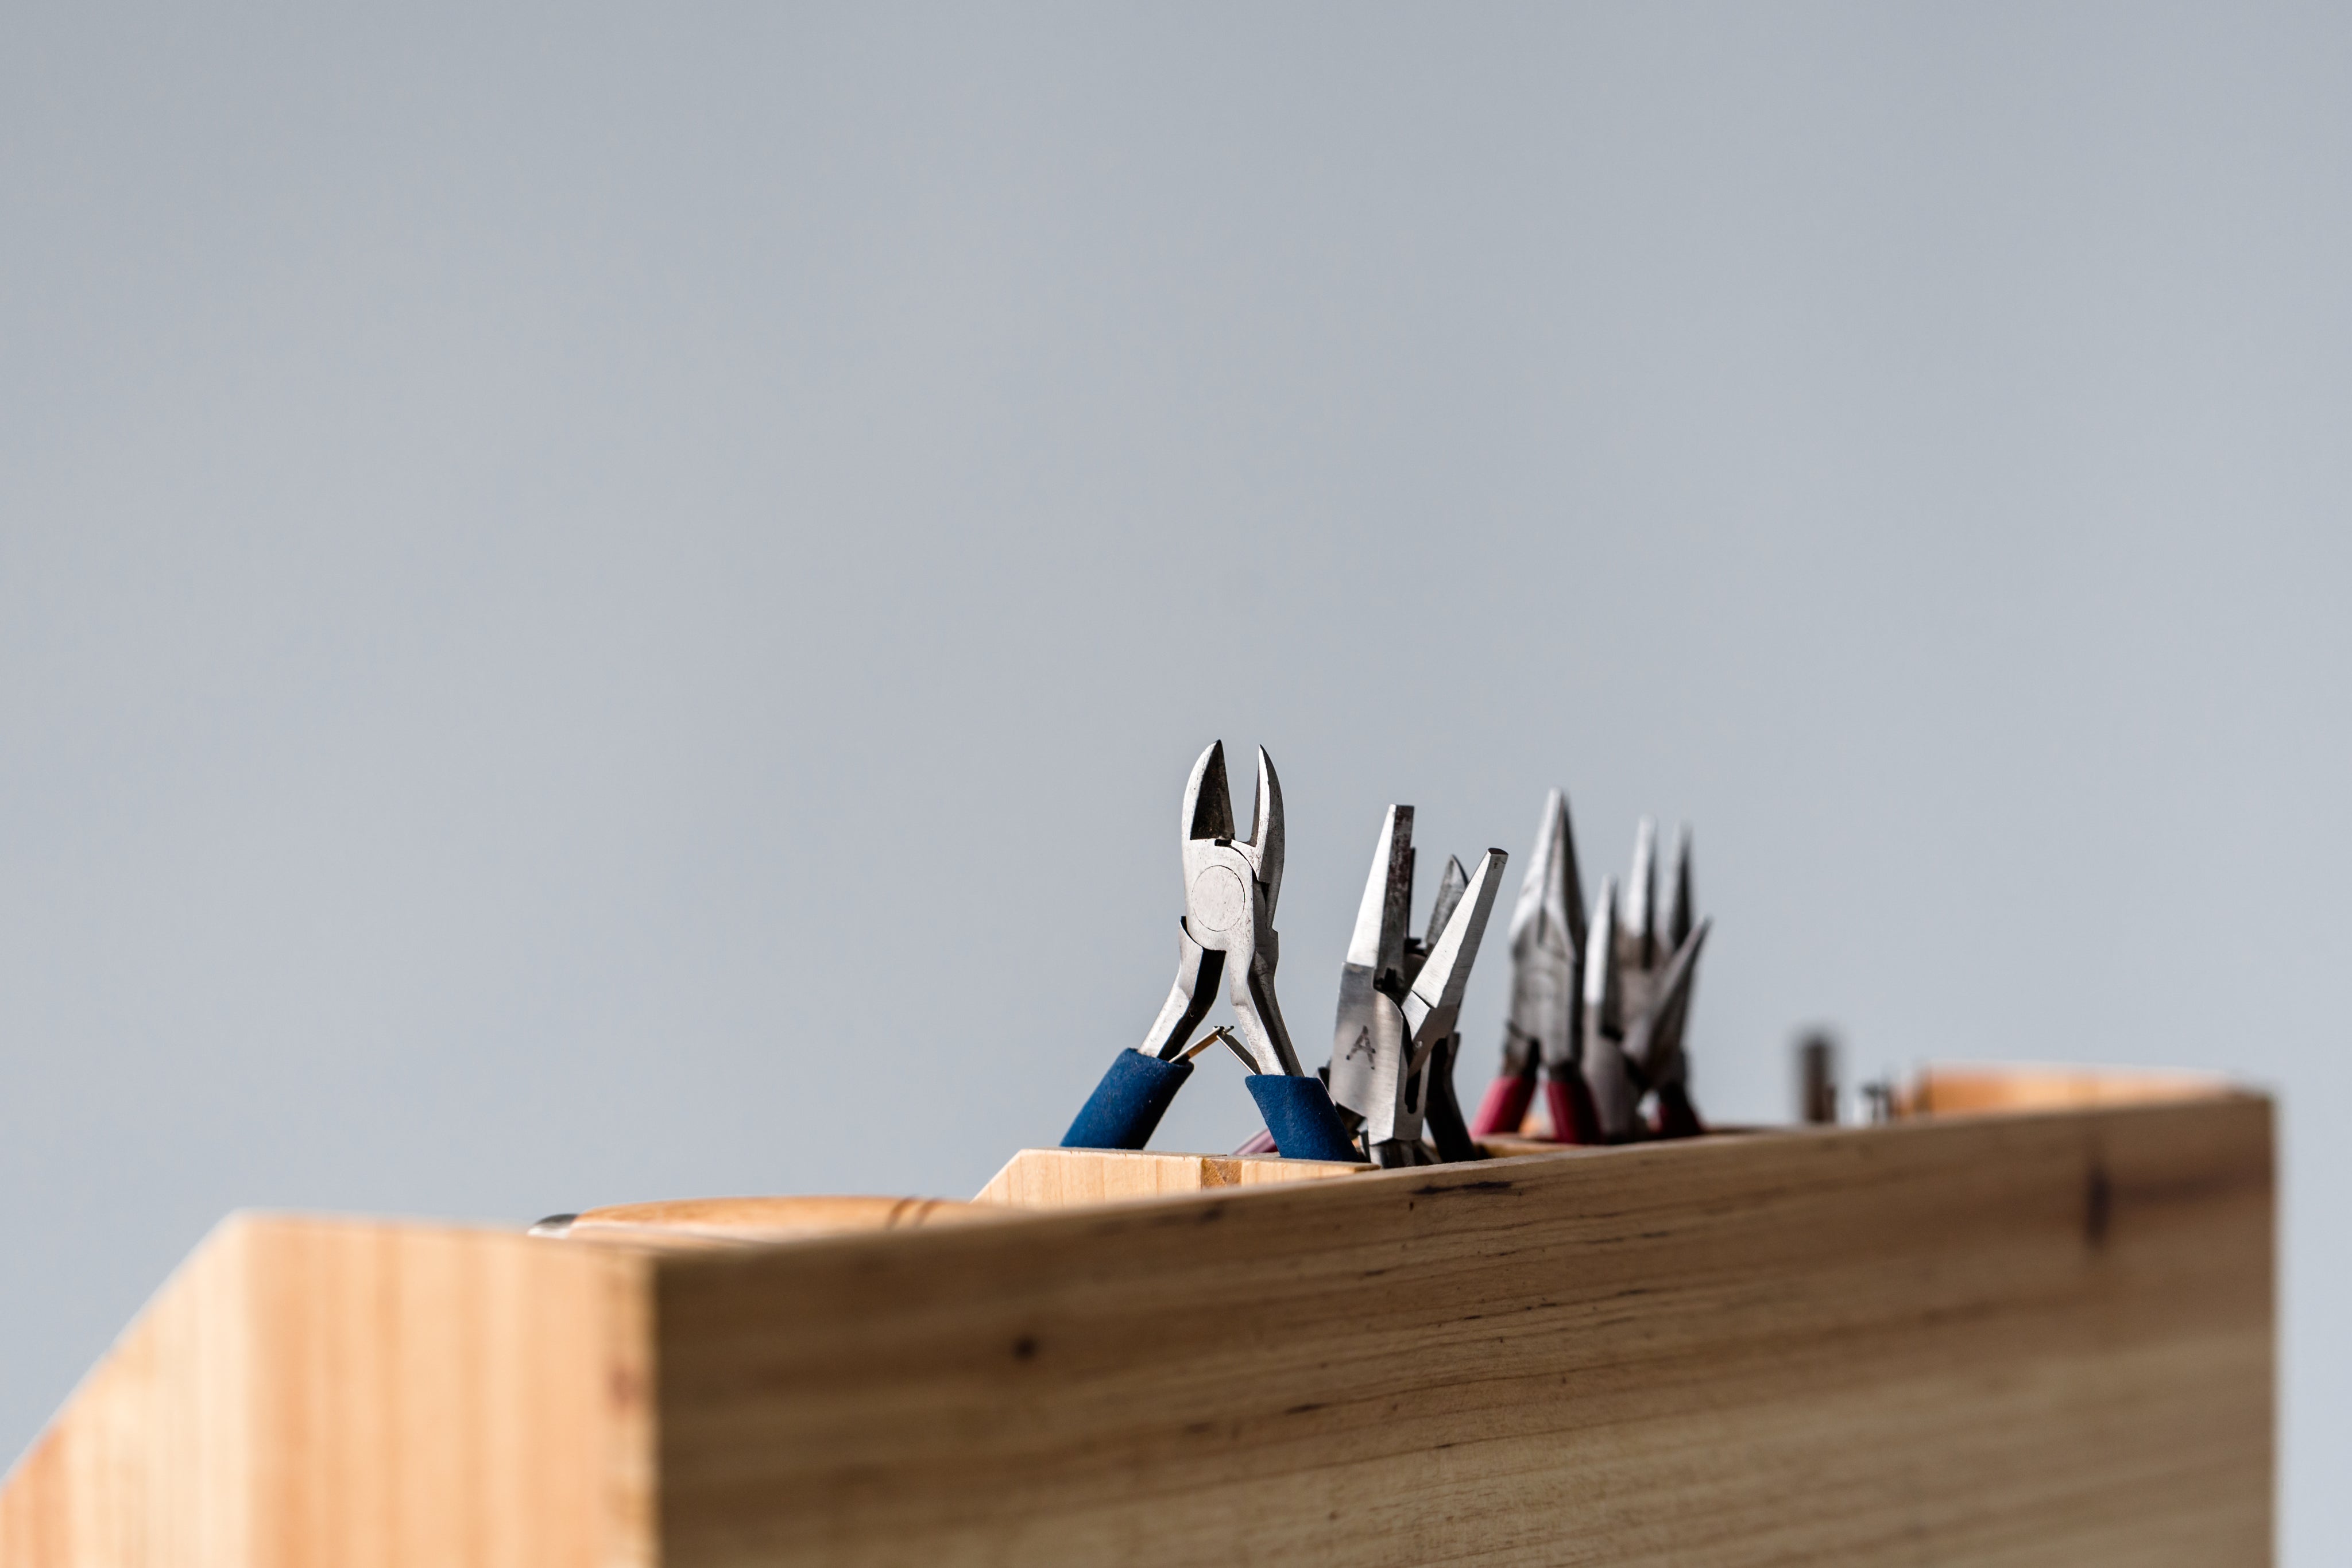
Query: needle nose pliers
x,y
1599,1005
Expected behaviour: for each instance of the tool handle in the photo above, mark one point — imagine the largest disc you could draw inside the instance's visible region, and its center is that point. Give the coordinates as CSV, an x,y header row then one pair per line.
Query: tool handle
x,y
1677,1117
1299,1113
1573,1118
1444,1113
1128,1103
1505,1106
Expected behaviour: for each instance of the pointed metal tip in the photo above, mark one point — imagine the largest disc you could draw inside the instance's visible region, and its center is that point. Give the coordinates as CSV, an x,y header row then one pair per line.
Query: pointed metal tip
x,y
1641,887
1267,836
1449,889
1662,1058
1266,812
1377,942
1552,888
1208,802
1534,887
1697,938
1681,906
1570,876
1601,956
1455,947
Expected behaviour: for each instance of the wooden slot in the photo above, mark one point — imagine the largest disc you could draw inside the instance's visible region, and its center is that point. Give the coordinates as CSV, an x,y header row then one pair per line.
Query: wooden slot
x,y
1064,1178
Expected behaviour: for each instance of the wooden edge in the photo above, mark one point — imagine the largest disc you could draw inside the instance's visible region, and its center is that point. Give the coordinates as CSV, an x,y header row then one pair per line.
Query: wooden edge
x,y
262,1406
1945,1089
2043,1339
191,1276
759,1221
305,1349
1066,1178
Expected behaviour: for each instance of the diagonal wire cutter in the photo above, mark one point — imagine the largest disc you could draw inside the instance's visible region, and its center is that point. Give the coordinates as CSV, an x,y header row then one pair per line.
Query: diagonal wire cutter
x,y
1227,932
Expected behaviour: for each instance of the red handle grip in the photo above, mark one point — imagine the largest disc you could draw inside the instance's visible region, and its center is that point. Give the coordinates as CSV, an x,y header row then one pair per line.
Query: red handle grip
x,y
1505,1106
1573,1119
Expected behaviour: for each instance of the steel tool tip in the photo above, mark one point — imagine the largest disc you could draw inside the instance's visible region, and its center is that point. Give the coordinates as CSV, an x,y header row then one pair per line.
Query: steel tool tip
x,y
1641,892
1446,973
1600,959
1673,993
1553,889
1682,909
1265,826
1378,941
1449,889
1661,1058
1208,803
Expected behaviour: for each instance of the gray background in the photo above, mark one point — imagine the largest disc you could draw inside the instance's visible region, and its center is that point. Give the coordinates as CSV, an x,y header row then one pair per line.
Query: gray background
x,y
597,606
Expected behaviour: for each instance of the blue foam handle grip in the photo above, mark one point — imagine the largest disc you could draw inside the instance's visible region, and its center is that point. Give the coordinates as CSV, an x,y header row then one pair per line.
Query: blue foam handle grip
x,y
1128,1103
1299,1113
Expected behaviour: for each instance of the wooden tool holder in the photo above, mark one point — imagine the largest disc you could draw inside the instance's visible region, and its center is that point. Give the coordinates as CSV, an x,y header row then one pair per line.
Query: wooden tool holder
x,y
2030,1323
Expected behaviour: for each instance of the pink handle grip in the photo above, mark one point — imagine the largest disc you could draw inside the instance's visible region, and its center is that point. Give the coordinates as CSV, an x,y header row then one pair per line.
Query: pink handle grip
x,y
1573,1119
1677,1117
1505,1106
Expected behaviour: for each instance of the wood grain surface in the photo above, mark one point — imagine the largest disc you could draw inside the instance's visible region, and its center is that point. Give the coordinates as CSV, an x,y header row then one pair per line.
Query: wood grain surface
x,y
307,1393
1070,1178
2039,1340
2003,1339
1947,1090
760,1221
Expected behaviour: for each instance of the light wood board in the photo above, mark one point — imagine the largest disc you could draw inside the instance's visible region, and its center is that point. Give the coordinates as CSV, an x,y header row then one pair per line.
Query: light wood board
x,y
1996,1339
2042,1340
307,1393
1070,1178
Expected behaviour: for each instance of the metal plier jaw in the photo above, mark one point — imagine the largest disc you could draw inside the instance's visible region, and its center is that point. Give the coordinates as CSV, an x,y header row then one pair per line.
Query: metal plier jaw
x,y
1607,1075
1654,954
1646,940
1639,973
1653,1046
1371,1051
1229,888
1392,1042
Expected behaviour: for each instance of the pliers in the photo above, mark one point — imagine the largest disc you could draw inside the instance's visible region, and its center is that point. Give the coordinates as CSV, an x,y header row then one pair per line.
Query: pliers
x,y
1227,929
1394,1042
1638,977
1653,1046
1543,1033
1599,1007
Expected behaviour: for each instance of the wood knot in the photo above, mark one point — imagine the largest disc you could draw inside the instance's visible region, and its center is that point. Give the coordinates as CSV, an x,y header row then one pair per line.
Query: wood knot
x,y
2098,1206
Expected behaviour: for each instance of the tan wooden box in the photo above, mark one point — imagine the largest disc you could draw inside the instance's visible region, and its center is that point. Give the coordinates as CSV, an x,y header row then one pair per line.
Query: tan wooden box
x,y
2030,1325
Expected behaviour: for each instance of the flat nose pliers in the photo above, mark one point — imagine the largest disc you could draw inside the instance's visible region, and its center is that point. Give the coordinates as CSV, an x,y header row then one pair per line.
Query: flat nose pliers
x,y
1394,1042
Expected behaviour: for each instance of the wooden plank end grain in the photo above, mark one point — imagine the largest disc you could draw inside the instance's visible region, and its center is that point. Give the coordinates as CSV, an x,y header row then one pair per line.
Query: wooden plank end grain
x,y
358,1393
